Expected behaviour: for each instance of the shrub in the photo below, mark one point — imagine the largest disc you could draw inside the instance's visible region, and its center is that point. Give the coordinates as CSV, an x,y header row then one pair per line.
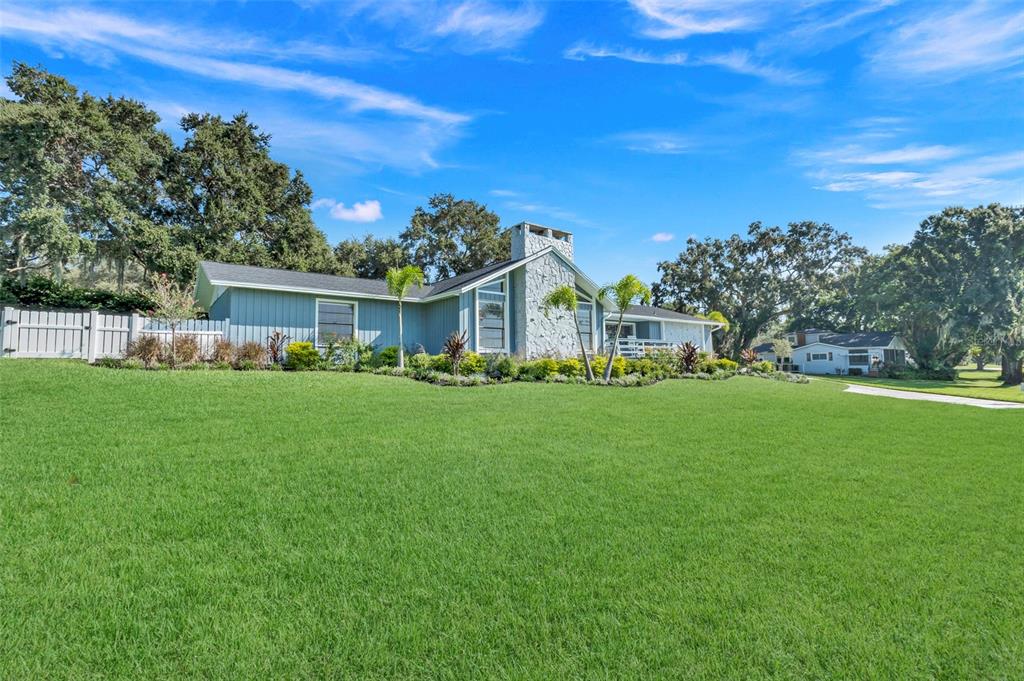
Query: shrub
x,y
386,357
643,366
109,362
147,348
276,343
856,371
687,356
223,351
938,373
247,365
502,366
40,291
350,353
726,364
440,363
542,368
250,352
420,360
220,365
455,347
196,366
571,367
748,356
618,366
473,363
132,363
764,367
706,363
302,356
187,347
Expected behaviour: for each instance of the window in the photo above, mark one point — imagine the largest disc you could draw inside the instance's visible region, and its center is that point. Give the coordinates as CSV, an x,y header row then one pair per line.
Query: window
x,y
628,330
492,316
896,357
585,315
334,319
859,359
818,356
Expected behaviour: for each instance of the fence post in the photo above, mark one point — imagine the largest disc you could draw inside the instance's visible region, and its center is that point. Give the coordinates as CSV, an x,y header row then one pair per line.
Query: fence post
x,y
226,329
94,334
134,324
5,335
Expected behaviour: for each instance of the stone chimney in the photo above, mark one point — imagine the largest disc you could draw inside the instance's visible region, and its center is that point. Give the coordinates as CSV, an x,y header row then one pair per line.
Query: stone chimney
x,y
528,238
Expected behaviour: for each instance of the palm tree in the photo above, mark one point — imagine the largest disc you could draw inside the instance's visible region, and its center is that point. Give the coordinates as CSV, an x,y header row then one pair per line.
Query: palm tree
x,y
400,280
564,298
623,293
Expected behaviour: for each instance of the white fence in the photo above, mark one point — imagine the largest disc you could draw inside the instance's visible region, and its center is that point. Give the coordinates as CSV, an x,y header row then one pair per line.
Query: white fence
x,y
89,334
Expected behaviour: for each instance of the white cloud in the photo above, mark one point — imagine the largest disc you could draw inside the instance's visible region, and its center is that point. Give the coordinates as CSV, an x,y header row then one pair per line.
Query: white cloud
x,y
84,30
655,142
741,61
483,26
662,237
737,61
944,45
857,154
503,192
581,51
675,19
360,211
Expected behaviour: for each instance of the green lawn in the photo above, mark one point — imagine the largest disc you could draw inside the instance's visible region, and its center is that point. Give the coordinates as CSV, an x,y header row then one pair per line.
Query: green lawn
x,y
258,525
969,383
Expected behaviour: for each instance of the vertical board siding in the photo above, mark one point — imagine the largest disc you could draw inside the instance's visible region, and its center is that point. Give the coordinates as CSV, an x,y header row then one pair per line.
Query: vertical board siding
x,y
221,308
467,316
440,319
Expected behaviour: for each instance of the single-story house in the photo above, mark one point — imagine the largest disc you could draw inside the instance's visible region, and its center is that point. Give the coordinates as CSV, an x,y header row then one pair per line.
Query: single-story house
x,y
816,351
498,306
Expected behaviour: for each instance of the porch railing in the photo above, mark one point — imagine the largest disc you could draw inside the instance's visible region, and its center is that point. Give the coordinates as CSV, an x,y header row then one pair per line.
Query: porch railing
x,y
640,347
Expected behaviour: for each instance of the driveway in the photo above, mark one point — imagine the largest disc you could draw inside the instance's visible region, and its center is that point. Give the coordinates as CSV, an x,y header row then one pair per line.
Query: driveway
x,y
932,397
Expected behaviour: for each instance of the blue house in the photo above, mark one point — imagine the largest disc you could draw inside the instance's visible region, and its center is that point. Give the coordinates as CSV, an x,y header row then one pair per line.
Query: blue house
x,y
499,306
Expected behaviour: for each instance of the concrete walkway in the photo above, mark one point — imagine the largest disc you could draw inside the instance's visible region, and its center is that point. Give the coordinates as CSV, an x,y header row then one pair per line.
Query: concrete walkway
x,y
932,397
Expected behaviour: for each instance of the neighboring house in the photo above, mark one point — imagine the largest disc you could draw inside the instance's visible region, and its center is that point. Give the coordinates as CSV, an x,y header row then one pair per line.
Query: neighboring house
x,y
816,351
499,306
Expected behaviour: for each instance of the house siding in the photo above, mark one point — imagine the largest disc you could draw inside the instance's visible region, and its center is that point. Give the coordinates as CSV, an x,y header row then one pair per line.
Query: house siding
x,y
683,332
255,314
440,318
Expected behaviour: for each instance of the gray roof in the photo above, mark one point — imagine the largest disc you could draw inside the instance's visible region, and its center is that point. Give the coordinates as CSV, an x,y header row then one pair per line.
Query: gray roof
x,y
265,276
662,313
765,347
860,339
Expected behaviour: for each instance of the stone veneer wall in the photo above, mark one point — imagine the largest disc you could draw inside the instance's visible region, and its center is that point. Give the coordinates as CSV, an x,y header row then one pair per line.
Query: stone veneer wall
x,y
525,242
540,335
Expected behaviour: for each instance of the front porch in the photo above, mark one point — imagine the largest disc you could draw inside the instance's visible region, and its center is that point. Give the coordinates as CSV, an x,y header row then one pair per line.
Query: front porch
x,y
632,348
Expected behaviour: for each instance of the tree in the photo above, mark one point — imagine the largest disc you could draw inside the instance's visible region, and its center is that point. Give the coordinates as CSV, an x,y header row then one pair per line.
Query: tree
x,y
782,348
400,280
622,293
173,304
369,257
564,298
234,203
454,236
757,281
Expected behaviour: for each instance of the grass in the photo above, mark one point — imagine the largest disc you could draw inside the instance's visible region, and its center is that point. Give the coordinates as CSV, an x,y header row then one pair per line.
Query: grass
x,y
255,525
969,383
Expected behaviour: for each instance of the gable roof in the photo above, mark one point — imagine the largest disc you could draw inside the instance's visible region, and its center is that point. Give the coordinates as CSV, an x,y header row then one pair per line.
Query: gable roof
x,y
652,312
248,276
764,347
860,339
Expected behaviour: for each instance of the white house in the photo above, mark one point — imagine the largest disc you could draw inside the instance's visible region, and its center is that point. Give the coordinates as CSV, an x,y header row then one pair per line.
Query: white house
x,y
816,351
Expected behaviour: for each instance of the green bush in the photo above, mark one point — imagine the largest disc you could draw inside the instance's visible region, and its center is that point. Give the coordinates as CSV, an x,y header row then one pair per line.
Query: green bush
x,y
247,365
571,367
39,291
726,364
302,356
473,363
221,365
706,363
502,366
542,368
386,357
643,366
420,360
599,363
133,363
441,363
346,352
763,367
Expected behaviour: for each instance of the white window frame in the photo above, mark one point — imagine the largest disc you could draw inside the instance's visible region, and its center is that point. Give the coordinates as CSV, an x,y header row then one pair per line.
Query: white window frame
x,y
614,323
817,357
335,301
593,319
505,349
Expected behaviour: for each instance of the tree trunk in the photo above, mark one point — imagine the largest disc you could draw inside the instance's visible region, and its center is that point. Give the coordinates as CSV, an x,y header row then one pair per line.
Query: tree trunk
x,y
401,338
583,348
615,349
979,363
1013,367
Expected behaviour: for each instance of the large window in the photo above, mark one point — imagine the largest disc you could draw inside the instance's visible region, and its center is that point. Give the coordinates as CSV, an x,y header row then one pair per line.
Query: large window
x,y
337,320
859,359
492,316
897,357
585,314
819,356
628,330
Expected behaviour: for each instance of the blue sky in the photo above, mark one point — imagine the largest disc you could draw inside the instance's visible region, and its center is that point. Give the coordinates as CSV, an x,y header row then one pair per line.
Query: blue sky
x,y
632,124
